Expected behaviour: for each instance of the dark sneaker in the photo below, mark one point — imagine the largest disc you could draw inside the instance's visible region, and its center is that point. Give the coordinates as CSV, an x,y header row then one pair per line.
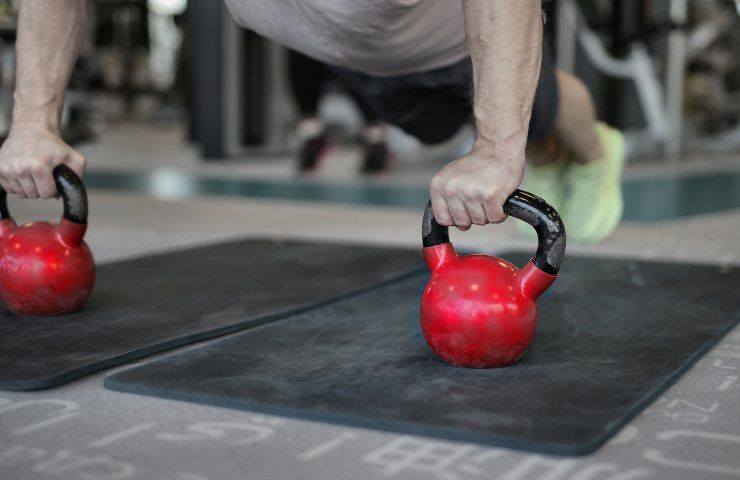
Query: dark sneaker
x,y
312,152
377,159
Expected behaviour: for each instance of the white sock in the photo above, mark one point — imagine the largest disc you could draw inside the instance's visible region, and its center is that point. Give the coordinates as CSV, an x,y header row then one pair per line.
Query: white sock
x,y
374,133
309,128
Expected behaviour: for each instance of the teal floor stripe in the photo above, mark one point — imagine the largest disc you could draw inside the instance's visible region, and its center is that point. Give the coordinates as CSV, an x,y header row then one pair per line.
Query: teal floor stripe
x,y
646,199
664,198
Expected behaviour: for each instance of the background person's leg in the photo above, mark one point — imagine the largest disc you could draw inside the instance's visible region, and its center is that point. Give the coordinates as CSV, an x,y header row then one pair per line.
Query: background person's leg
x,y
430,106
376,156
575,125
575,161
546,158
307,79
594,201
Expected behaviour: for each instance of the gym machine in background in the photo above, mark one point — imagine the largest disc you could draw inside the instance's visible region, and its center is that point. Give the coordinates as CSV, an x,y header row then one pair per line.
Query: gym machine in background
x,y
676,60
663,71
235,89
666,72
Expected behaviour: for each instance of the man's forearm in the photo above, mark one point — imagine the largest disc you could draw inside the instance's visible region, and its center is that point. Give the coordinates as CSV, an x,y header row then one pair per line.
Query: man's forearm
x,y
505,43
50,33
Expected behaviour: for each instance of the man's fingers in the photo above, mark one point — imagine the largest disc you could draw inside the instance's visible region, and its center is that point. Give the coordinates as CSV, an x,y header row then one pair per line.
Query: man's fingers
x,y
494,210
477,213
439,204
27,161
45,186
5,185
6,179
44,182
441,211
28,186
11,185
459,214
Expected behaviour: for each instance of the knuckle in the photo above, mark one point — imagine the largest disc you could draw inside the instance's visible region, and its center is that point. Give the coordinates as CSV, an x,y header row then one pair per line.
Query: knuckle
x,y
475,193
470,192
37,168
450,189
436,182
488,196
21,167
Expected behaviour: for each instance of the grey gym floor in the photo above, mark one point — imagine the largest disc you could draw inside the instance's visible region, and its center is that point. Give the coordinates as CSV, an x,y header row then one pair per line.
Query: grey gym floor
x,y
83,431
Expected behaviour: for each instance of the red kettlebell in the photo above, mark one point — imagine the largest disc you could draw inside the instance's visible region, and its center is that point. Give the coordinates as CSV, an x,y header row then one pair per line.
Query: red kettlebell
x,y
479,311
47,269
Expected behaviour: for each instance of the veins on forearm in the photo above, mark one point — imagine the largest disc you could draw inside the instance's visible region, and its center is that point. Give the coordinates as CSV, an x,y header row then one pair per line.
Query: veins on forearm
x,y
505,42
50,34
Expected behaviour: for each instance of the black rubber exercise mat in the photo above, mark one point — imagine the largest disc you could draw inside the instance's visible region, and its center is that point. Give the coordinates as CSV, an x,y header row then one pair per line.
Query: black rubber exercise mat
x,y
150,304
612,336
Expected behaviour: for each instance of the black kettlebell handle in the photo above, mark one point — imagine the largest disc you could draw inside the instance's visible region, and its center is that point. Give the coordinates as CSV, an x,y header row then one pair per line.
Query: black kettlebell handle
x,y
72,191
524,206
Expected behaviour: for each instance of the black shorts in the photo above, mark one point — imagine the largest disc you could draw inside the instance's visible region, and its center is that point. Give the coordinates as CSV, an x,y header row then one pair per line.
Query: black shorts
x,y
433,105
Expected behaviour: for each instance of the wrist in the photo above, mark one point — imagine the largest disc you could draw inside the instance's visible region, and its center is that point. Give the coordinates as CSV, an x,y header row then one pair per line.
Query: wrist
x,y
507,151
33,123
36,115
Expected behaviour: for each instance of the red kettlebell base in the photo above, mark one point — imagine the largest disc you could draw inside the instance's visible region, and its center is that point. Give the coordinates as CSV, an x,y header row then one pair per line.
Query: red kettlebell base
x,y
45,269
479,311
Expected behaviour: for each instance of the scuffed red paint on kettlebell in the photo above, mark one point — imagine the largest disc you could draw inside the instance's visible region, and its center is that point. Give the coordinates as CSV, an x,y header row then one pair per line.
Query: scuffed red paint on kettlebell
x,y
47,269
480,311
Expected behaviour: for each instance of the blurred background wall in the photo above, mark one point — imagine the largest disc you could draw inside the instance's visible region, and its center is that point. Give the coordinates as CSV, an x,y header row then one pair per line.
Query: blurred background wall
x,y
667,71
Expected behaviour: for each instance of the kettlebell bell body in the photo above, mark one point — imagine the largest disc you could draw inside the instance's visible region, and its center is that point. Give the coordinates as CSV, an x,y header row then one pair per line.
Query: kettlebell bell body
x,y
480,311
47,269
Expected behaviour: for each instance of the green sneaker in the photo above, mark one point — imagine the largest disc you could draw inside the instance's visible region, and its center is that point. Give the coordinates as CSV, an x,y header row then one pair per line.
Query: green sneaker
x,y
593,202
547,182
